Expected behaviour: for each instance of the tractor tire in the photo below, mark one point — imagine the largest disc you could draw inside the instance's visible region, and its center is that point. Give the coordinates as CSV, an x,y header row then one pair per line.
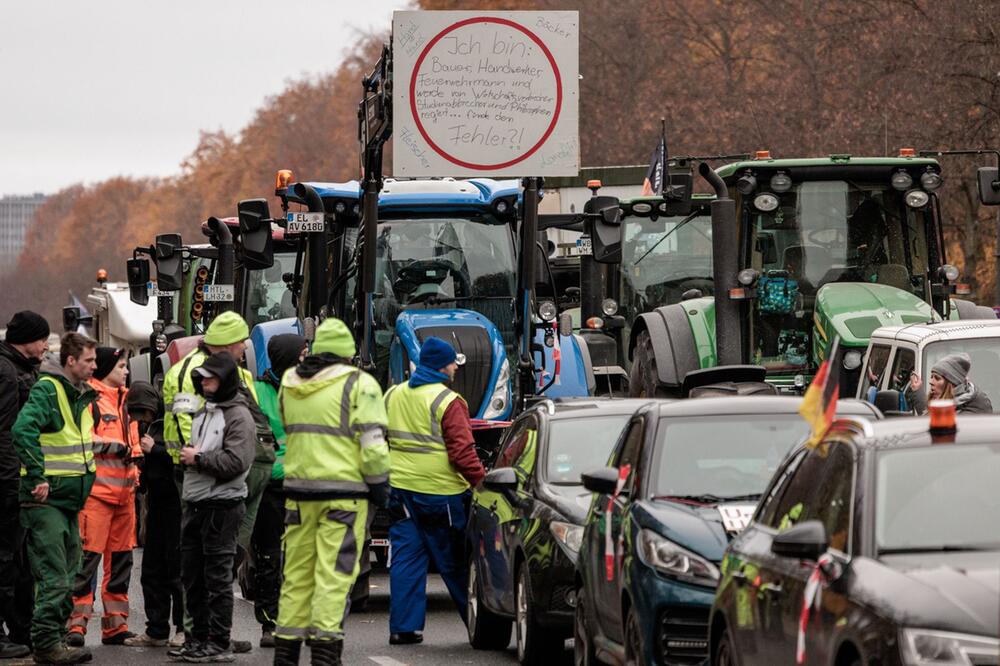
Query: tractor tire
x,y
969,310
643,379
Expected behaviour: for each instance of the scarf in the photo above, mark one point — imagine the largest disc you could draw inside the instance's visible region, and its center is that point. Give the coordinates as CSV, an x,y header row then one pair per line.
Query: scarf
x,y
424,375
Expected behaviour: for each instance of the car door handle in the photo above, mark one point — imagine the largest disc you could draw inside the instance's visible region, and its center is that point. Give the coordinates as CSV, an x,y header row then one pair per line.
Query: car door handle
x,y
771,588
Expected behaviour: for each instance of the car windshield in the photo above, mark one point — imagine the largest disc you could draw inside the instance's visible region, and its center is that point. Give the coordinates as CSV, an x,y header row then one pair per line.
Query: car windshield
x,y
663,258
720,455
579,445
985,355
823,232
267,296
937,498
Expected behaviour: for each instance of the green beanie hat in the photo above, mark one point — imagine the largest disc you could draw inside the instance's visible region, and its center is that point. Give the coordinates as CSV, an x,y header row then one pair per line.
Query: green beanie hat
x,y
333,336
226,329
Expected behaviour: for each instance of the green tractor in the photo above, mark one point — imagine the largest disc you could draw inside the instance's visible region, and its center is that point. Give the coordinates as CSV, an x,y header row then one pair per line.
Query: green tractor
x,y
805,249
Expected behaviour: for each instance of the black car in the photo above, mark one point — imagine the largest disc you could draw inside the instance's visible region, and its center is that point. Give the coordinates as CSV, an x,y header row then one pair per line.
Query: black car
x,y
525,524
881,546
691,474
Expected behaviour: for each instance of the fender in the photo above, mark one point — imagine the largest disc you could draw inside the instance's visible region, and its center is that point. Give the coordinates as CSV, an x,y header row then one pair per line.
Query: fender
x,y
962,309
575,373
673,342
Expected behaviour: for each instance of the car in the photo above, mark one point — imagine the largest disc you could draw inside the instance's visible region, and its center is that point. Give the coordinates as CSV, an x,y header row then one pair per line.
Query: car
x,y
917,347
525,524
684,478
895,525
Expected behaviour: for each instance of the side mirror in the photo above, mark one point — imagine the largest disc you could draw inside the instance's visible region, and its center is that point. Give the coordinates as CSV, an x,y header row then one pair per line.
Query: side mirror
x,y
565,324
72,319
988,184
137,271
606,230
256,248
603,481
805,541
677,194
169,262
501,479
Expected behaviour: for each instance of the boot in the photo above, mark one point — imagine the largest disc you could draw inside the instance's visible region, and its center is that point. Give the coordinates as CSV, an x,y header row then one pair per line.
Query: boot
x,y
286,652
327,653
63,655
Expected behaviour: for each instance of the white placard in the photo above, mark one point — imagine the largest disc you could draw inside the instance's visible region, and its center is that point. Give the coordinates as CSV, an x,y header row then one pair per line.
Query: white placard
x,y
486,93
304,223
213,293
735,517
154,291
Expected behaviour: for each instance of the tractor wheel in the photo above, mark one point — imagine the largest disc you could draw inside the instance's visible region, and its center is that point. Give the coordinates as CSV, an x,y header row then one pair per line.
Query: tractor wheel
x,y
643,379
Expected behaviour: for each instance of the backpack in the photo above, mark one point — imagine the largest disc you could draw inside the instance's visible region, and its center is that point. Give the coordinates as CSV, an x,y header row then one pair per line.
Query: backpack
x,y
777,294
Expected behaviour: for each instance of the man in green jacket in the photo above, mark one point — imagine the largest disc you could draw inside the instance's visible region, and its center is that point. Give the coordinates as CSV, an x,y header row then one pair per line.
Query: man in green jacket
x,y
53,440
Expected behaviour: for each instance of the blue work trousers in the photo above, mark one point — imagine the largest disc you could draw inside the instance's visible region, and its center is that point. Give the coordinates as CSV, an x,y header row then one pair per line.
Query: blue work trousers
x,y
425,528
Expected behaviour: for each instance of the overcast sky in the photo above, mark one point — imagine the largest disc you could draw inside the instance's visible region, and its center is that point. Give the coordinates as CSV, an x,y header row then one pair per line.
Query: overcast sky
x,y
97,88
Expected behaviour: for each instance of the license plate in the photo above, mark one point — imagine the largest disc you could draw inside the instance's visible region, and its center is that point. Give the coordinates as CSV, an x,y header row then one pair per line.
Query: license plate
x,y
383,543
583,246
735,517
154,291
214,293
305,223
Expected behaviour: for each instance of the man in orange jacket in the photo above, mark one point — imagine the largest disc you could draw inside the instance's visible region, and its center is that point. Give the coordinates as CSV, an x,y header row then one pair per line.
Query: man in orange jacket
x,y
107,522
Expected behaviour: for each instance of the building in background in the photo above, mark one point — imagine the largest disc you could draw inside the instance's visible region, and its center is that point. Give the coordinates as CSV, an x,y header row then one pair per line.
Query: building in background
x,y
16,214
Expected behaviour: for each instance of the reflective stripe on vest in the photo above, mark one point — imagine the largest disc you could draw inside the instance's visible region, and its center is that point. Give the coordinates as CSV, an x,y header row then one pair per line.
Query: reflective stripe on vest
x,y
68,452
416,444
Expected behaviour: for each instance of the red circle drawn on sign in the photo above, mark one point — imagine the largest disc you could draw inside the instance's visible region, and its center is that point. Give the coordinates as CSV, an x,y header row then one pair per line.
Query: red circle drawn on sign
x,y
413,96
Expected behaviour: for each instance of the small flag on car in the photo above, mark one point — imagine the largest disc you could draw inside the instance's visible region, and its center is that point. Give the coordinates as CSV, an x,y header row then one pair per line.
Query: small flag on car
x,y
819,405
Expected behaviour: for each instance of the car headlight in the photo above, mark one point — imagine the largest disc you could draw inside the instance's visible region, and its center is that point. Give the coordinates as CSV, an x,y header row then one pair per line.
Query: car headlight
x,y
852,360
669,558
923,647
501,393
568,536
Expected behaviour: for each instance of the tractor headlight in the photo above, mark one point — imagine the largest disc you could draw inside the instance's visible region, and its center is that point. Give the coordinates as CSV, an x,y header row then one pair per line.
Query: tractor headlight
x,y
340,208
924,647
902,181
765,202
671,559
642,208
501,393
746,184
948,272
781,182
931,180
916,198
852,360
547,311
609,307
747,277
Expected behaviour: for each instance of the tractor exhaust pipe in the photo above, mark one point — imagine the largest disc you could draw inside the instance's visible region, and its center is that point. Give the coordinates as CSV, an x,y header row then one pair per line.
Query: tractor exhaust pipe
x,y
316,297
226,268
725,259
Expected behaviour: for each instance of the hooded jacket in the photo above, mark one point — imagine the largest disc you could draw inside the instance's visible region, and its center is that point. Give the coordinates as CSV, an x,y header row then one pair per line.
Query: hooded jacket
x,y
283,351
968,400
41,414
116,446
157,467
223,430
17,376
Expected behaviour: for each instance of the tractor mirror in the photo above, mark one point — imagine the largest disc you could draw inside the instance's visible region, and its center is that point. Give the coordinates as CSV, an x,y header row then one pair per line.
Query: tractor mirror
x,y
169,262
678,190
71,318
256,247
137,271
988,185
606,230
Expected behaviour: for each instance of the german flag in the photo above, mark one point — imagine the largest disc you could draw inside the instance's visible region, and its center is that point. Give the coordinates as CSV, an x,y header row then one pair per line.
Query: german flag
x,y
819,405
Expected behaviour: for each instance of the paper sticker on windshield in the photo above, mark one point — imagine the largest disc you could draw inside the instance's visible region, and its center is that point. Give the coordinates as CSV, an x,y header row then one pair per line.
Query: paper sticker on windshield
x,y
735,517
185,403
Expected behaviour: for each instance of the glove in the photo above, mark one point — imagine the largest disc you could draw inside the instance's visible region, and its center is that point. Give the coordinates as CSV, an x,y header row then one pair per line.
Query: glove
x,y
379,494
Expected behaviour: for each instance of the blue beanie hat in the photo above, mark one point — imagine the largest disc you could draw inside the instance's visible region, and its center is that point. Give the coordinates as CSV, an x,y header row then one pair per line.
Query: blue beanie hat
x,y
435,354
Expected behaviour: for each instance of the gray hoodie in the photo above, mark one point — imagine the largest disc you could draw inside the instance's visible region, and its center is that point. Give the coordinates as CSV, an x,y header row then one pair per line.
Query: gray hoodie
x,y
226,434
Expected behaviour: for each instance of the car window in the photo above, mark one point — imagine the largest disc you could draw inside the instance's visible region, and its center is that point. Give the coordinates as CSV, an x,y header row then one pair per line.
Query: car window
x,y
902,365
985,356
628,453
769,503
833,499
795,501
576,445
878,357
519,451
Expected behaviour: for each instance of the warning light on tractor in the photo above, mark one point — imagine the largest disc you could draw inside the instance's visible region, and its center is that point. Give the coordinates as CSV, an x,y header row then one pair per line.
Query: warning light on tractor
x,y
762,155
282,179
102,276
907,152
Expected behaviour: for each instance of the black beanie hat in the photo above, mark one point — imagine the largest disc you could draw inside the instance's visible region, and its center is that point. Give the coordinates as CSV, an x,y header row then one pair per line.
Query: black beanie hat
x,y
26,327
107,358
143,395
284,351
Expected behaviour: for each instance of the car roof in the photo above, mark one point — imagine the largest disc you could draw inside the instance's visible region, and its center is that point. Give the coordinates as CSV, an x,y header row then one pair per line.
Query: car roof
x,y
767,404
914,431
955,329
583,407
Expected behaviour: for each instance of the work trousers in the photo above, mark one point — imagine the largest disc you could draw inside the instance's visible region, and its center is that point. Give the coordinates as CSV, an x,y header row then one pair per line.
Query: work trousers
x,y
257,481
266,546
425,528
16,585
208,547
53,538
161,560
322,541
107,532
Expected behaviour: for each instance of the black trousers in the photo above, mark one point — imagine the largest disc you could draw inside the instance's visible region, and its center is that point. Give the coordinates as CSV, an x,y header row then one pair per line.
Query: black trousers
x,y
161,559
16,584
266,544
208,549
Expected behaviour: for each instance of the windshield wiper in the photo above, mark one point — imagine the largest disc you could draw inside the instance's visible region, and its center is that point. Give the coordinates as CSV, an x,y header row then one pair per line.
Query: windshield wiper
x,y
707,498
451,299
667,234
936,549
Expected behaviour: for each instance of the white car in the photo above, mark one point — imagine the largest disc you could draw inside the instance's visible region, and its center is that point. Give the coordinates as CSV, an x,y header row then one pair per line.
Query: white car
x,y
896,351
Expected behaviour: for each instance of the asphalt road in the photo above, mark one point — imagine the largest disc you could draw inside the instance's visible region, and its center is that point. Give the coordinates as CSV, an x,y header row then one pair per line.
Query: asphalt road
x,y
367,642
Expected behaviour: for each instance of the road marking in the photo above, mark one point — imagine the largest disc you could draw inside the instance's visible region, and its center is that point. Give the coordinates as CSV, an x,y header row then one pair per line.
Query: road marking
x,y
386,661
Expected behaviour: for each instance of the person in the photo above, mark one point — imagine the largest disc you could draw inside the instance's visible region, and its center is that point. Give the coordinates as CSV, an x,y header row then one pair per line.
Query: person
x,y
336,461
53,439
107,522
161,560
217,461
228,332
434,463
21,352
949,381
284,352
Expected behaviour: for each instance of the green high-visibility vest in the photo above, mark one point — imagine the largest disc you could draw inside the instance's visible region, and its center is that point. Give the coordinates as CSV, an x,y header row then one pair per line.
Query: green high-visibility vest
x,y
330,424
70,451
416,444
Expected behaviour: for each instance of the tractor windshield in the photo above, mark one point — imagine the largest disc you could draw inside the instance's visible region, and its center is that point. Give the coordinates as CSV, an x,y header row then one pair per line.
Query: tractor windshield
x,y
268,298
823,232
